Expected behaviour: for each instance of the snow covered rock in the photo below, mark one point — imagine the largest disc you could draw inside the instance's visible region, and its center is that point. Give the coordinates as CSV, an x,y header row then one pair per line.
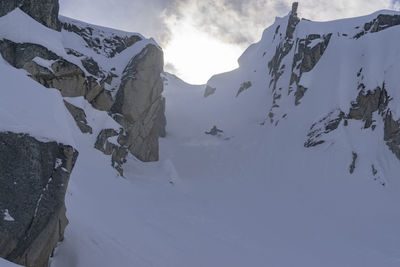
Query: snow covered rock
x,y
334,75
115,71
34,178
79,116
44,11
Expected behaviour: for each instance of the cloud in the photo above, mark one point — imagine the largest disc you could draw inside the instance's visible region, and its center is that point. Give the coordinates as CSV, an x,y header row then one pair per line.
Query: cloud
x,y
242,22
169,67
232,21
215,29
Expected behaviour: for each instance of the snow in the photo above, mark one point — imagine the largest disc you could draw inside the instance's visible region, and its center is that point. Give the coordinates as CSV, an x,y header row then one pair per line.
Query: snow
x,y
32,109
249,201
5,263
44,62
58,163
26,30
96,119
7,217
115,64
99,31
258,199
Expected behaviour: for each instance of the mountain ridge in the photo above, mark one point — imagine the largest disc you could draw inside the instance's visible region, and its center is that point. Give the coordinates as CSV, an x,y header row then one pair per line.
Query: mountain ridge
x,y
304,173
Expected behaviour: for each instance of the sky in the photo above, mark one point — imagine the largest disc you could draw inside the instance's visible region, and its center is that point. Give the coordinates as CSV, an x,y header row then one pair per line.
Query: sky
x,y
201,38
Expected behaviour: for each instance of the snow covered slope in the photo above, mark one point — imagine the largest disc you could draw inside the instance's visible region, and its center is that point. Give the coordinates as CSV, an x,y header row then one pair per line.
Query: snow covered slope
x,y
331,82
46,119
4,263
254,196
313,184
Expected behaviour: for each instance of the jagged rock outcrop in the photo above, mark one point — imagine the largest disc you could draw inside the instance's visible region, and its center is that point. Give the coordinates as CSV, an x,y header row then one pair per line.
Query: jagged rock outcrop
x,y
34,174
392,133
298,49
368,103
244,86
101,44
43,11
325,125
381,22
139,100
117,151
33,180
305,54
63,75
209,91
79,116
132,95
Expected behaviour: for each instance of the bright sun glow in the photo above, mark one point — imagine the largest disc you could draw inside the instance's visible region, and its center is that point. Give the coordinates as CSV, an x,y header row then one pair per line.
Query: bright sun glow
x,y
197,55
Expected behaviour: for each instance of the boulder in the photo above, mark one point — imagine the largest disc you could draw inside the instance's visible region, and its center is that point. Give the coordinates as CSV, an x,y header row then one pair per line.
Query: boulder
x,y
139,100
33,182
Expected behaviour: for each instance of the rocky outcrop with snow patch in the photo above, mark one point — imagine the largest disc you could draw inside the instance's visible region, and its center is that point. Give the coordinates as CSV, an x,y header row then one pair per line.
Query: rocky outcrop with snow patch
x,y
69,64
115,71
44,11
331,76
33,181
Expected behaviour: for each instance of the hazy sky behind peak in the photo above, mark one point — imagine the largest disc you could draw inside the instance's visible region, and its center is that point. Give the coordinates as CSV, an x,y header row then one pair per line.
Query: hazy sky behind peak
x,y
204,37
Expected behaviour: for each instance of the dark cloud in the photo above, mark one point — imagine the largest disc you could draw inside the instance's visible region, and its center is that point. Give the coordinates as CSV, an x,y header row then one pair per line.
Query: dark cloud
x,y
169,67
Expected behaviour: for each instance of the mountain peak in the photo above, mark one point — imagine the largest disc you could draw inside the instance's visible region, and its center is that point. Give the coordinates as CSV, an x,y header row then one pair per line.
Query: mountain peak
x,y
295,5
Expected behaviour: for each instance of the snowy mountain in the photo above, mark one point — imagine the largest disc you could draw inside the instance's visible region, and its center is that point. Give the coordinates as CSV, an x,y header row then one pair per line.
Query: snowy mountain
x,y
68,87
305,172
337,79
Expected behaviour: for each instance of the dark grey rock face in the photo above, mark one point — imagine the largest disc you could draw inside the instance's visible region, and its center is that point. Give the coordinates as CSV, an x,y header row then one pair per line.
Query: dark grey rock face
x,y
319,129
363,109
9,5
162,120
79,116
367,103
305,55
305,59
118,152
392,133
293,21
18,54
380,23
43,11
209,91
352,166
33,182
244,86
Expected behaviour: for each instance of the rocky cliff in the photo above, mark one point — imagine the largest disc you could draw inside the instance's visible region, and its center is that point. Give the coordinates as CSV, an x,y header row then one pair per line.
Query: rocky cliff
x,y
334,76
34,179
116,73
